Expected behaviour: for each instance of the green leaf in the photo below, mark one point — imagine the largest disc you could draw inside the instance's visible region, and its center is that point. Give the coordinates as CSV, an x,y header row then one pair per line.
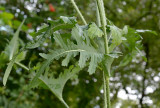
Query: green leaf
x,y
116,35
46,32
108,60
144,58
56,85
125,30
16,59
21,56
42,29
86,50
68,20
7,18
8,70
150,31
115,54
133,40
94,31
40,39
69,50
106,64
17,23
11,49
131,44
34,82
7,15
125,60
63,23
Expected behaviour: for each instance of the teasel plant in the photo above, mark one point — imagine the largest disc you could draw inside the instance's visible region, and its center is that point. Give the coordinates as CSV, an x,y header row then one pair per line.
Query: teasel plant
x,y
97,44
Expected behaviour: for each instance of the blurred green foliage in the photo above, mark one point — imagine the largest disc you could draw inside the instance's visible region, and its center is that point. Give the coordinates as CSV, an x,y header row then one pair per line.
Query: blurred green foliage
x,y
139,80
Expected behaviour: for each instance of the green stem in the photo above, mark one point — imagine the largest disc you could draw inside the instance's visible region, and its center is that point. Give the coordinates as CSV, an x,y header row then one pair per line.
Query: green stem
x,y
104,23
23,66
84,21
78,11
104,89
105,78
108,92
64,103
98,15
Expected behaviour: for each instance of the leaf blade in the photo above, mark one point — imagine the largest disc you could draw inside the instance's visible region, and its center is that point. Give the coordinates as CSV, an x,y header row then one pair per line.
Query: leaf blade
x,y
13,44
7,72
12,47
56,86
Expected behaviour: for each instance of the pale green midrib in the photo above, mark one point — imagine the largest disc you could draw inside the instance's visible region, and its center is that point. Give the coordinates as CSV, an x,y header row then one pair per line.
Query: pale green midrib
x,y
49,59
78,50
17,35
14,45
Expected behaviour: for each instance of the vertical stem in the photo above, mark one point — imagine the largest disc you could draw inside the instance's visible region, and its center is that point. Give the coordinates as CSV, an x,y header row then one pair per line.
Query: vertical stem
x,y
98,15
78,11
84,21
105,78
104,23
104,89
108,92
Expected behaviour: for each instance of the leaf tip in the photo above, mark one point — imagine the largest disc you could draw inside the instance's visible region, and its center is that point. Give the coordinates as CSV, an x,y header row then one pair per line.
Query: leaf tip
x,y
4,82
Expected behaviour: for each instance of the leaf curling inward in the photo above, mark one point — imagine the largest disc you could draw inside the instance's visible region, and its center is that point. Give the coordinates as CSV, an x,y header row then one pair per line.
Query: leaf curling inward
x,y
116,35
94,31
106,64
